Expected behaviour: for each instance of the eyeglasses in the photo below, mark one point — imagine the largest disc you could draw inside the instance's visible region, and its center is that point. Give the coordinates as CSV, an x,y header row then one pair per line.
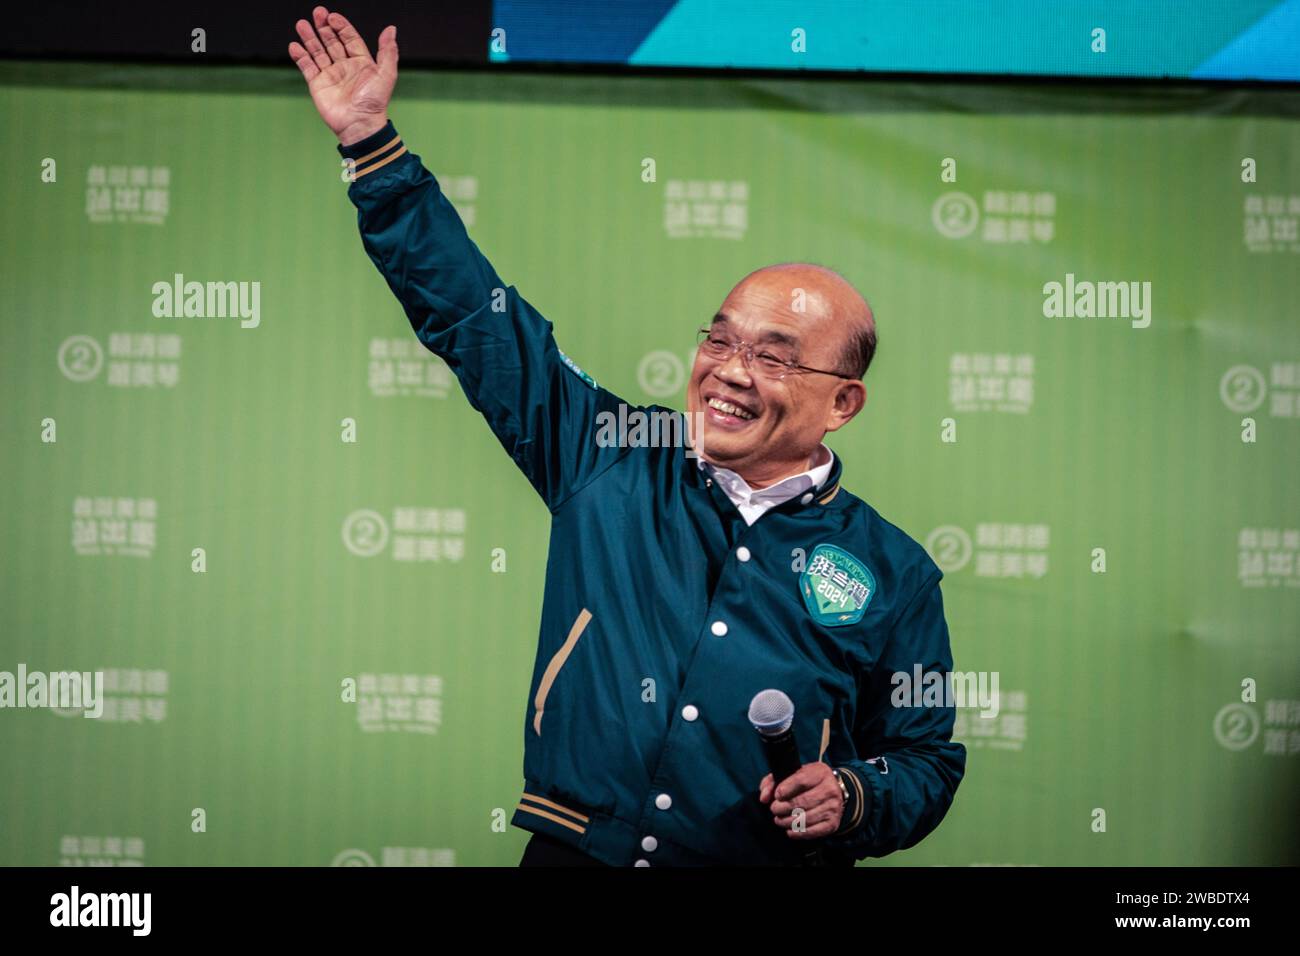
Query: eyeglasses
x,y
773,361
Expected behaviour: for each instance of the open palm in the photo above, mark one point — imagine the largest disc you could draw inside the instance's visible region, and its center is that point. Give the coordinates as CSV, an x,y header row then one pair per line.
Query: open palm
x,y
350,89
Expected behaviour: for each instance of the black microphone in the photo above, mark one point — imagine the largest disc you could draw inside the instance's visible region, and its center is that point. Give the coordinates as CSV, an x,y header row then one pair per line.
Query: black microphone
x,y
772,714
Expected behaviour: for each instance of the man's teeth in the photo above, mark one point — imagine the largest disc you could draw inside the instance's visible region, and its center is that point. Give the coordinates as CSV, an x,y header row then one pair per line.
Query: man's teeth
x,y
728,408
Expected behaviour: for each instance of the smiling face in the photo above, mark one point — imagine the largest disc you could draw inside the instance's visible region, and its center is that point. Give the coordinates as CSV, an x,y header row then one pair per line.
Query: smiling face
x,y
766,428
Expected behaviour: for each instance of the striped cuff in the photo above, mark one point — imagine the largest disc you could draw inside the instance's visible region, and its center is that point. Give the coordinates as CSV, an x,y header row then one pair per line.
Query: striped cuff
x,y
854,810
374,152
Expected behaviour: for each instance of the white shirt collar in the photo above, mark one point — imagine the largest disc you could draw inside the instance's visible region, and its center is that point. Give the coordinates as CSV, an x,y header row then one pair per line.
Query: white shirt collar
x,y
753,502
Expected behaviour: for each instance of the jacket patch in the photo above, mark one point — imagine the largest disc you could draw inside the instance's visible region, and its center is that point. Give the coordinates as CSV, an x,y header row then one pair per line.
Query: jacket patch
x,y
573,367
836,586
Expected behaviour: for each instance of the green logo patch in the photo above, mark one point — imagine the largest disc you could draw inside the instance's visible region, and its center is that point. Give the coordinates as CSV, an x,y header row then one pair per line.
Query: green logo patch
x,y
836,586
573,367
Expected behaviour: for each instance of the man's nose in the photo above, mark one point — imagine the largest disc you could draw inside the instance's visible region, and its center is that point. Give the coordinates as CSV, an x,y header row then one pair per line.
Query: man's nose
x,y
734,371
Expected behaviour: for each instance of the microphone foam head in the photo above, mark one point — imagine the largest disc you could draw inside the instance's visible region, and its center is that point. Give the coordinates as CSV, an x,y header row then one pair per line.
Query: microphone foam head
x,y
771,712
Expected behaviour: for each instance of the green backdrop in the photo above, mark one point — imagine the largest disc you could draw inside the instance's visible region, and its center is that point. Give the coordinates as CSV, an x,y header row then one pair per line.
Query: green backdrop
x,y
373,560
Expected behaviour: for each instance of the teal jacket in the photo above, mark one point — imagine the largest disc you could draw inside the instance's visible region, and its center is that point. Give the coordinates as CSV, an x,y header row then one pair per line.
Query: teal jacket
x,y
664,612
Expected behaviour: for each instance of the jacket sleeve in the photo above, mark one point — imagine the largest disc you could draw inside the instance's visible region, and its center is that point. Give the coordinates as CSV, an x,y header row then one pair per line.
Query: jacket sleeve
x,y
541,406
905,782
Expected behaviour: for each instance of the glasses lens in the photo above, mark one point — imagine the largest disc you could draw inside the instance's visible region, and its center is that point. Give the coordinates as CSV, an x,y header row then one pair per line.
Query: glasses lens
x,y
770,362
774,362
713,344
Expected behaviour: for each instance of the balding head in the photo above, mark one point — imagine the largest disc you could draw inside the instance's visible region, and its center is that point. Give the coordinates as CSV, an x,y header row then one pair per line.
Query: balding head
x,y
826,294
780,366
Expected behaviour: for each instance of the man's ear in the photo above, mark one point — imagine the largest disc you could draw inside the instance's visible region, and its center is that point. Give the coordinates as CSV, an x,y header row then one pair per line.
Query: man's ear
x,y
849,399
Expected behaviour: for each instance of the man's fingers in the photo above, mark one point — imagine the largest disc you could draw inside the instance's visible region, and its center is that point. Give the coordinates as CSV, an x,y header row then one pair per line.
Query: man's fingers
x,y
811,833
812,817
388,50
313,45
796,784
303,61
805,796
328,36
352,41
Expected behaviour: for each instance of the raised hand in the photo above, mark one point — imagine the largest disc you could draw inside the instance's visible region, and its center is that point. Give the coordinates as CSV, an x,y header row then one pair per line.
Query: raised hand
x,y
350,89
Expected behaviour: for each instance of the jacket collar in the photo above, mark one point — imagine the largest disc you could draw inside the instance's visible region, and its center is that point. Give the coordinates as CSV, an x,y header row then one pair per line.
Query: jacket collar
x,y
827,494
781,491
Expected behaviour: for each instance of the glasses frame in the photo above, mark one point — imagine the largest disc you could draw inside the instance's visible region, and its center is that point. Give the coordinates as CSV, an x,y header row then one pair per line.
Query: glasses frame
x,y
748,347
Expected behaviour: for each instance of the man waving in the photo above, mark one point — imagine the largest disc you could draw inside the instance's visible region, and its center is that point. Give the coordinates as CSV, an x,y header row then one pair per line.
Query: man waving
x,y
682,584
